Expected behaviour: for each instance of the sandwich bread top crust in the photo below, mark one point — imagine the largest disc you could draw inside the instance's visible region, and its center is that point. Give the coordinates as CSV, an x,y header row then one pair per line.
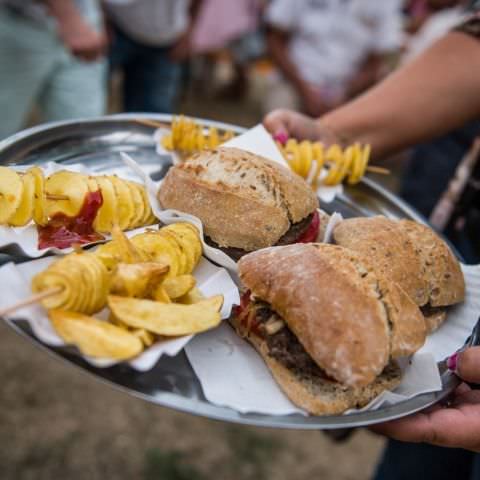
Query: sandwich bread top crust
x,y
335,315
243,200
390,249
446,285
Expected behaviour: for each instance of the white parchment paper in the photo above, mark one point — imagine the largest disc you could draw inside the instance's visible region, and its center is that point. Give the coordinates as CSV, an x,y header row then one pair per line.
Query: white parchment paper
x,y
16,279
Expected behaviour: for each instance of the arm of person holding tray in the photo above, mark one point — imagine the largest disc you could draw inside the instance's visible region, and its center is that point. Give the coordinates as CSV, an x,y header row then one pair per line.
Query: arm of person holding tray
x,y
428,97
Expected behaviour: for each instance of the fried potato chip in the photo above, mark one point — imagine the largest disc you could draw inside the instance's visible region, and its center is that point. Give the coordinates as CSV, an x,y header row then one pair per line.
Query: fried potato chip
x,y
189,237
40,206
169,319
158,249
94,337
126,250
176,287
24,212
176,248
125,205
160,295
146,204
193,296
11,191
135,280
70,184
145,336
107,216
139,206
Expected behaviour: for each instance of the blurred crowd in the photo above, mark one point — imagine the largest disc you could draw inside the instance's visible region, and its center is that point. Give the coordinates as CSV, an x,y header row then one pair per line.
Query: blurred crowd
x,y
313,55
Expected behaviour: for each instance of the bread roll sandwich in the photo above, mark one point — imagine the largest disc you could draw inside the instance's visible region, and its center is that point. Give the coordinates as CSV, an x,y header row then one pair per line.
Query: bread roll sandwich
x,y
328,326
244,201
413,256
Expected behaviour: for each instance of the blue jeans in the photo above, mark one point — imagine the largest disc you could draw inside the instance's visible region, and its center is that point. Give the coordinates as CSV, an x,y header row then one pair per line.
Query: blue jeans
x,y
151,80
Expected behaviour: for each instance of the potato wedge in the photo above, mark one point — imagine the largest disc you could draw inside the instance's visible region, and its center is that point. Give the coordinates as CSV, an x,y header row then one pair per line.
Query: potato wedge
x,y
168,319
11,192
24,212
160,295
176,287
125,205
136,280
126,249
71,184
193,296
94,337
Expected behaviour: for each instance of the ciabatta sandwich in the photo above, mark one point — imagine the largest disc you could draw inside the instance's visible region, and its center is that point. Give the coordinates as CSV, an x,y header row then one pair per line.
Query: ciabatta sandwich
x,y
326,323
244,201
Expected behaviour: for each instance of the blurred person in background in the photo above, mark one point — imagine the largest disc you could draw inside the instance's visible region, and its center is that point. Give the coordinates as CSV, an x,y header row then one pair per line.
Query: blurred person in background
x,y
233,26
434,94
327,51
52,55
151,40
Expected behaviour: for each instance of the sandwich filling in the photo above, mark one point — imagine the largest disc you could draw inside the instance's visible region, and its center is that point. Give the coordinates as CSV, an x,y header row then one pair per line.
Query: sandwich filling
x,y
258,318
305,231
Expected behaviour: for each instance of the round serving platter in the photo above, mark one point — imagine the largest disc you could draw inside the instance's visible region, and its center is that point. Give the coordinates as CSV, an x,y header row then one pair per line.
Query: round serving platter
x,y
172,382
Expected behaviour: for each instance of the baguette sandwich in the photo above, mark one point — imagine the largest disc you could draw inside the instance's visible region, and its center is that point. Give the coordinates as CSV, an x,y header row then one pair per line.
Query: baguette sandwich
x,y
413,256
245,202
328,326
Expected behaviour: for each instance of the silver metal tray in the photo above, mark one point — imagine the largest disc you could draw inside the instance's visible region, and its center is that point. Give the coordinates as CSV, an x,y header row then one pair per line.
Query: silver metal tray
x,y
172,382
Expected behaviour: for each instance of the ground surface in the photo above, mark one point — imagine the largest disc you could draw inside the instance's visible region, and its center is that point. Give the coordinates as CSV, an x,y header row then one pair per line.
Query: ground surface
x,y
56,422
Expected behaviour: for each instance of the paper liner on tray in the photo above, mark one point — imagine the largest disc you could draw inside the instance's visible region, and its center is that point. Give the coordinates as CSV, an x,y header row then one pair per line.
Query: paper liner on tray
x,y
16,279
218,353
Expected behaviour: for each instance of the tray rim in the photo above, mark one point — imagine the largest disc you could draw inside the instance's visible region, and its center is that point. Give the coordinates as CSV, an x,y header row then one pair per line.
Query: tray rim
x,y
204,408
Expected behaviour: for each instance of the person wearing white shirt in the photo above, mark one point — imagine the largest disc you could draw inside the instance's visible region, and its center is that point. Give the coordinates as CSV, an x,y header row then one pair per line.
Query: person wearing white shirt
x,y
151,38
327,50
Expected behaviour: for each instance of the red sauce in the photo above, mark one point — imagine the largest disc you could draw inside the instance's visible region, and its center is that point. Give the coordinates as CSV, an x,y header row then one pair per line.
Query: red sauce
x,y
63,231
246,316
310,234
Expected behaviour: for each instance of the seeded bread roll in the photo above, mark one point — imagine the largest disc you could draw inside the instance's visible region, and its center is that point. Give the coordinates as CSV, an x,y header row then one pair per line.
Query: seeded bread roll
x,y
243,200
349,318
390,249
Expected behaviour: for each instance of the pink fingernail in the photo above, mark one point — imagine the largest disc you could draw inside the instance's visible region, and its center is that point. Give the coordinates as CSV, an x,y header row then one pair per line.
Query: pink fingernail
x,y
452,362
281,137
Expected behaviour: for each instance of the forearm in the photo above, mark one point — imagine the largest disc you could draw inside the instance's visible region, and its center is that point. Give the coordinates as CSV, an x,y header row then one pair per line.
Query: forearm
x,y
62,9
431,96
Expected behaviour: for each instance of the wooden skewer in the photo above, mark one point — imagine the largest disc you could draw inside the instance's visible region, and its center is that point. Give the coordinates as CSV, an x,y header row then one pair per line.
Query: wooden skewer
x,y
152,123
30,301
379,170
57,197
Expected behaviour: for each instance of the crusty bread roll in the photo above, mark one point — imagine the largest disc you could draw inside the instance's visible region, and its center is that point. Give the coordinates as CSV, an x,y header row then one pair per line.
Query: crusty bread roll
x,y
316,394
243,200
413,256
350,319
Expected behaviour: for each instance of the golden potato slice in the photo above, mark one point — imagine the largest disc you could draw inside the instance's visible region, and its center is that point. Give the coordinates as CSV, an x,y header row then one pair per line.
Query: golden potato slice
x,y
125,205
169,319
107,216
175,246
193,296
189,237
128,252
216,302
95,338
109,254
136,280
145,336
24,212
40,205
146,204
71,184
176,287
11,191
139,206
160,295
158,249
